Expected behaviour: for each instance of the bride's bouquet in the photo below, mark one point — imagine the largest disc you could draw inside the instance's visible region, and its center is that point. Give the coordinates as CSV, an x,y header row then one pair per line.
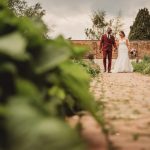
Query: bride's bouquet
x,y
133,52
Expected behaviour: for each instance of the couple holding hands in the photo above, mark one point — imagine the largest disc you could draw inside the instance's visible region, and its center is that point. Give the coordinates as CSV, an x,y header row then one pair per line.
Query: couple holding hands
x,y
122,45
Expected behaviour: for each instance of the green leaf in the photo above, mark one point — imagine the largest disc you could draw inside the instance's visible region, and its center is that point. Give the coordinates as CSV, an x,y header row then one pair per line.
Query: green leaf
x,y
77,82
80,50
75,71
57,92
13,45
26,88
50,57
3,110
8,67
29,130
3,4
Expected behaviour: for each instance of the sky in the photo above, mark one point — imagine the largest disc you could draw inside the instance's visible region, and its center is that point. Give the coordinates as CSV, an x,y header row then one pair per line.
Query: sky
x,y
70,17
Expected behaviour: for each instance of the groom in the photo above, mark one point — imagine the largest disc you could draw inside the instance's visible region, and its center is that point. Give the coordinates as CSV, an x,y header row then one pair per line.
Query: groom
x,y
107,43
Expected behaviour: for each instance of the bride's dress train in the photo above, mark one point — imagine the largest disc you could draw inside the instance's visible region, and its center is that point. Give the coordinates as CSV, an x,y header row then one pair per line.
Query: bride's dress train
x,y
122,63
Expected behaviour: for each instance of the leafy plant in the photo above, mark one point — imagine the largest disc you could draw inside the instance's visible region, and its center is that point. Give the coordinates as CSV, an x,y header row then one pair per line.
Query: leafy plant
x,y
146,59
39,87
143,66
90,67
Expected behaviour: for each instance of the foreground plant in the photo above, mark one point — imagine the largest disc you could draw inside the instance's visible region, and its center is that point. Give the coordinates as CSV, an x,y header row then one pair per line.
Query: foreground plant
x,y
39,87
90,67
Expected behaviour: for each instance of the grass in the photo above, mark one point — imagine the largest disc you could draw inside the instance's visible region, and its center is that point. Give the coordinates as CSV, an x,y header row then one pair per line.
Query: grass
x,y
143,66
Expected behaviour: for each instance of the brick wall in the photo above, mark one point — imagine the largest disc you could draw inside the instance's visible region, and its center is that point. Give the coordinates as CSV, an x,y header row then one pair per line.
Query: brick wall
x,y
143,47
91,45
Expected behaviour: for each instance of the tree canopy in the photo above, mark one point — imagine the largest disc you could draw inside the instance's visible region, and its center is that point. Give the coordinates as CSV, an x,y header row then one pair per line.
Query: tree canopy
x,y
35,12
21,8
140,30
100,23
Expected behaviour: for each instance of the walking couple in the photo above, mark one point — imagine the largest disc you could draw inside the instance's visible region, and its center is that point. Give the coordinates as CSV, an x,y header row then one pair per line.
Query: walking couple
x,y
122,45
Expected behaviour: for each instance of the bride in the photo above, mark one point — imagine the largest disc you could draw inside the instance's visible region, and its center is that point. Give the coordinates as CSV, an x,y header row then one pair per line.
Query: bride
x,y
122,63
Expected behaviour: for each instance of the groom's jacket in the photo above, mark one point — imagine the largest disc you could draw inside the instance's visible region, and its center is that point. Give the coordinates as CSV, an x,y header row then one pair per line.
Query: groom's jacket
x,y
107,43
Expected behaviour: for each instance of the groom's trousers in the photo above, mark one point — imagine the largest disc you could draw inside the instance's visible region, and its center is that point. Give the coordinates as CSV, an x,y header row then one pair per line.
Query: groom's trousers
x,y
107,54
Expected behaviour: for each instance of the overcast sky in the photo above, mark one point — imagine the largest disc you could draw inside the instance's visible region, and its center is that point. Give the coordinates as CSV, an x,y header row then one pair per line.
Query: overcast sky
x,y
71,17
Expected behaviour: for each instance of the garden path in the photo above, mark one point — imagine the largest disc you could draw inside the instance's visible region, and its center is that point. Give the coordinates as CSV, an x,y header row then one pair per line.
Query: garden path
x,y
126,97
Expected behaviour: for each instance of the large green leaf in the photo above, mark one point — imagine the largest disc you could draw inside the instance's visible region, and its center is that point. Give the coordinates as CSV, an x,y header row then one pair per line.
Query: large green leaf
x,y
29,130
3,3
50,57
76,80
13,44
76,50
57,92
8,67
75,71
26,88
79,50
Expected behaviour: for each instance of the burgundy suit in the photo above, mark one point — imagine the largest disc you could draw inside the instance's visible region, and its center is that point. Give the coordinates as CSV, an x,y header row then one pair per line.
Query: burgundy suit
x,y
107,44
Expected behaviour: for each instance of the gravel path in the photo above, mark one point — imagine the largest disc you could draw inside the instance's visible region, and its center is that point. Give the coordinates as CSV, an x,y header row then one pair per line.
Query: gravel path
x,y
126,97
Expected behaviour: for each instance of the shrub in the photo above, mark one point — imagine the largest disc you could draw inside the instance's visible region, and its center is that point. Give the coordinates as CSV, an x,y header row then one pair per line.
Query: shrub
x,y
90,67
39,86
143,66
146,59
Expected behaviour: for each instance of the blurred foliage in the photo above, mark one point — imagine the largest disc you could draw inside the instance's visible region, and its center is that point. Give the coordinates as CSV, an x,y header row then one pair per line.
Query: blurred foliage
x,y
39,87
140,30
143,66
90,67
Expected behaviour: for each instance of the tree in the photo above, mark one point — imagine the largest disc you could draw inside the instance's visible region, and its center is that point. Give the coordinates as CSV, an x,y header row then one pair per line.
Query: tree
x,y
21,8
98,25
35,12
140,30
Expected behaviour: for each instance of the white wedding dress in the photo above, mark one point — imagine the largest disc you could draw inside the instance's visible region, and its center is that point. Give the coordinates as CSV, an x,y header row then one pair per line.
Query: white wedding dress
x,y
122,63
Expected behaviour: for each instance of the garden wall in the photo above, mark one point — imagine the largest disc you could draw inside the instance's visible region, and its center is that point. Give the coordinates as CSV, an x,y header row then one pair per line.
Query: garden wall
x,y
143,48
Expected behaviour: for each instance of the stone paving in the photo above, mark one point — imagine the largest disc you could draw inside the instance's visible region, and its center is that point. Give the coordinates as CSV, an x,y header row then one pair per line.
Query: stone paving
x,y
126,97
